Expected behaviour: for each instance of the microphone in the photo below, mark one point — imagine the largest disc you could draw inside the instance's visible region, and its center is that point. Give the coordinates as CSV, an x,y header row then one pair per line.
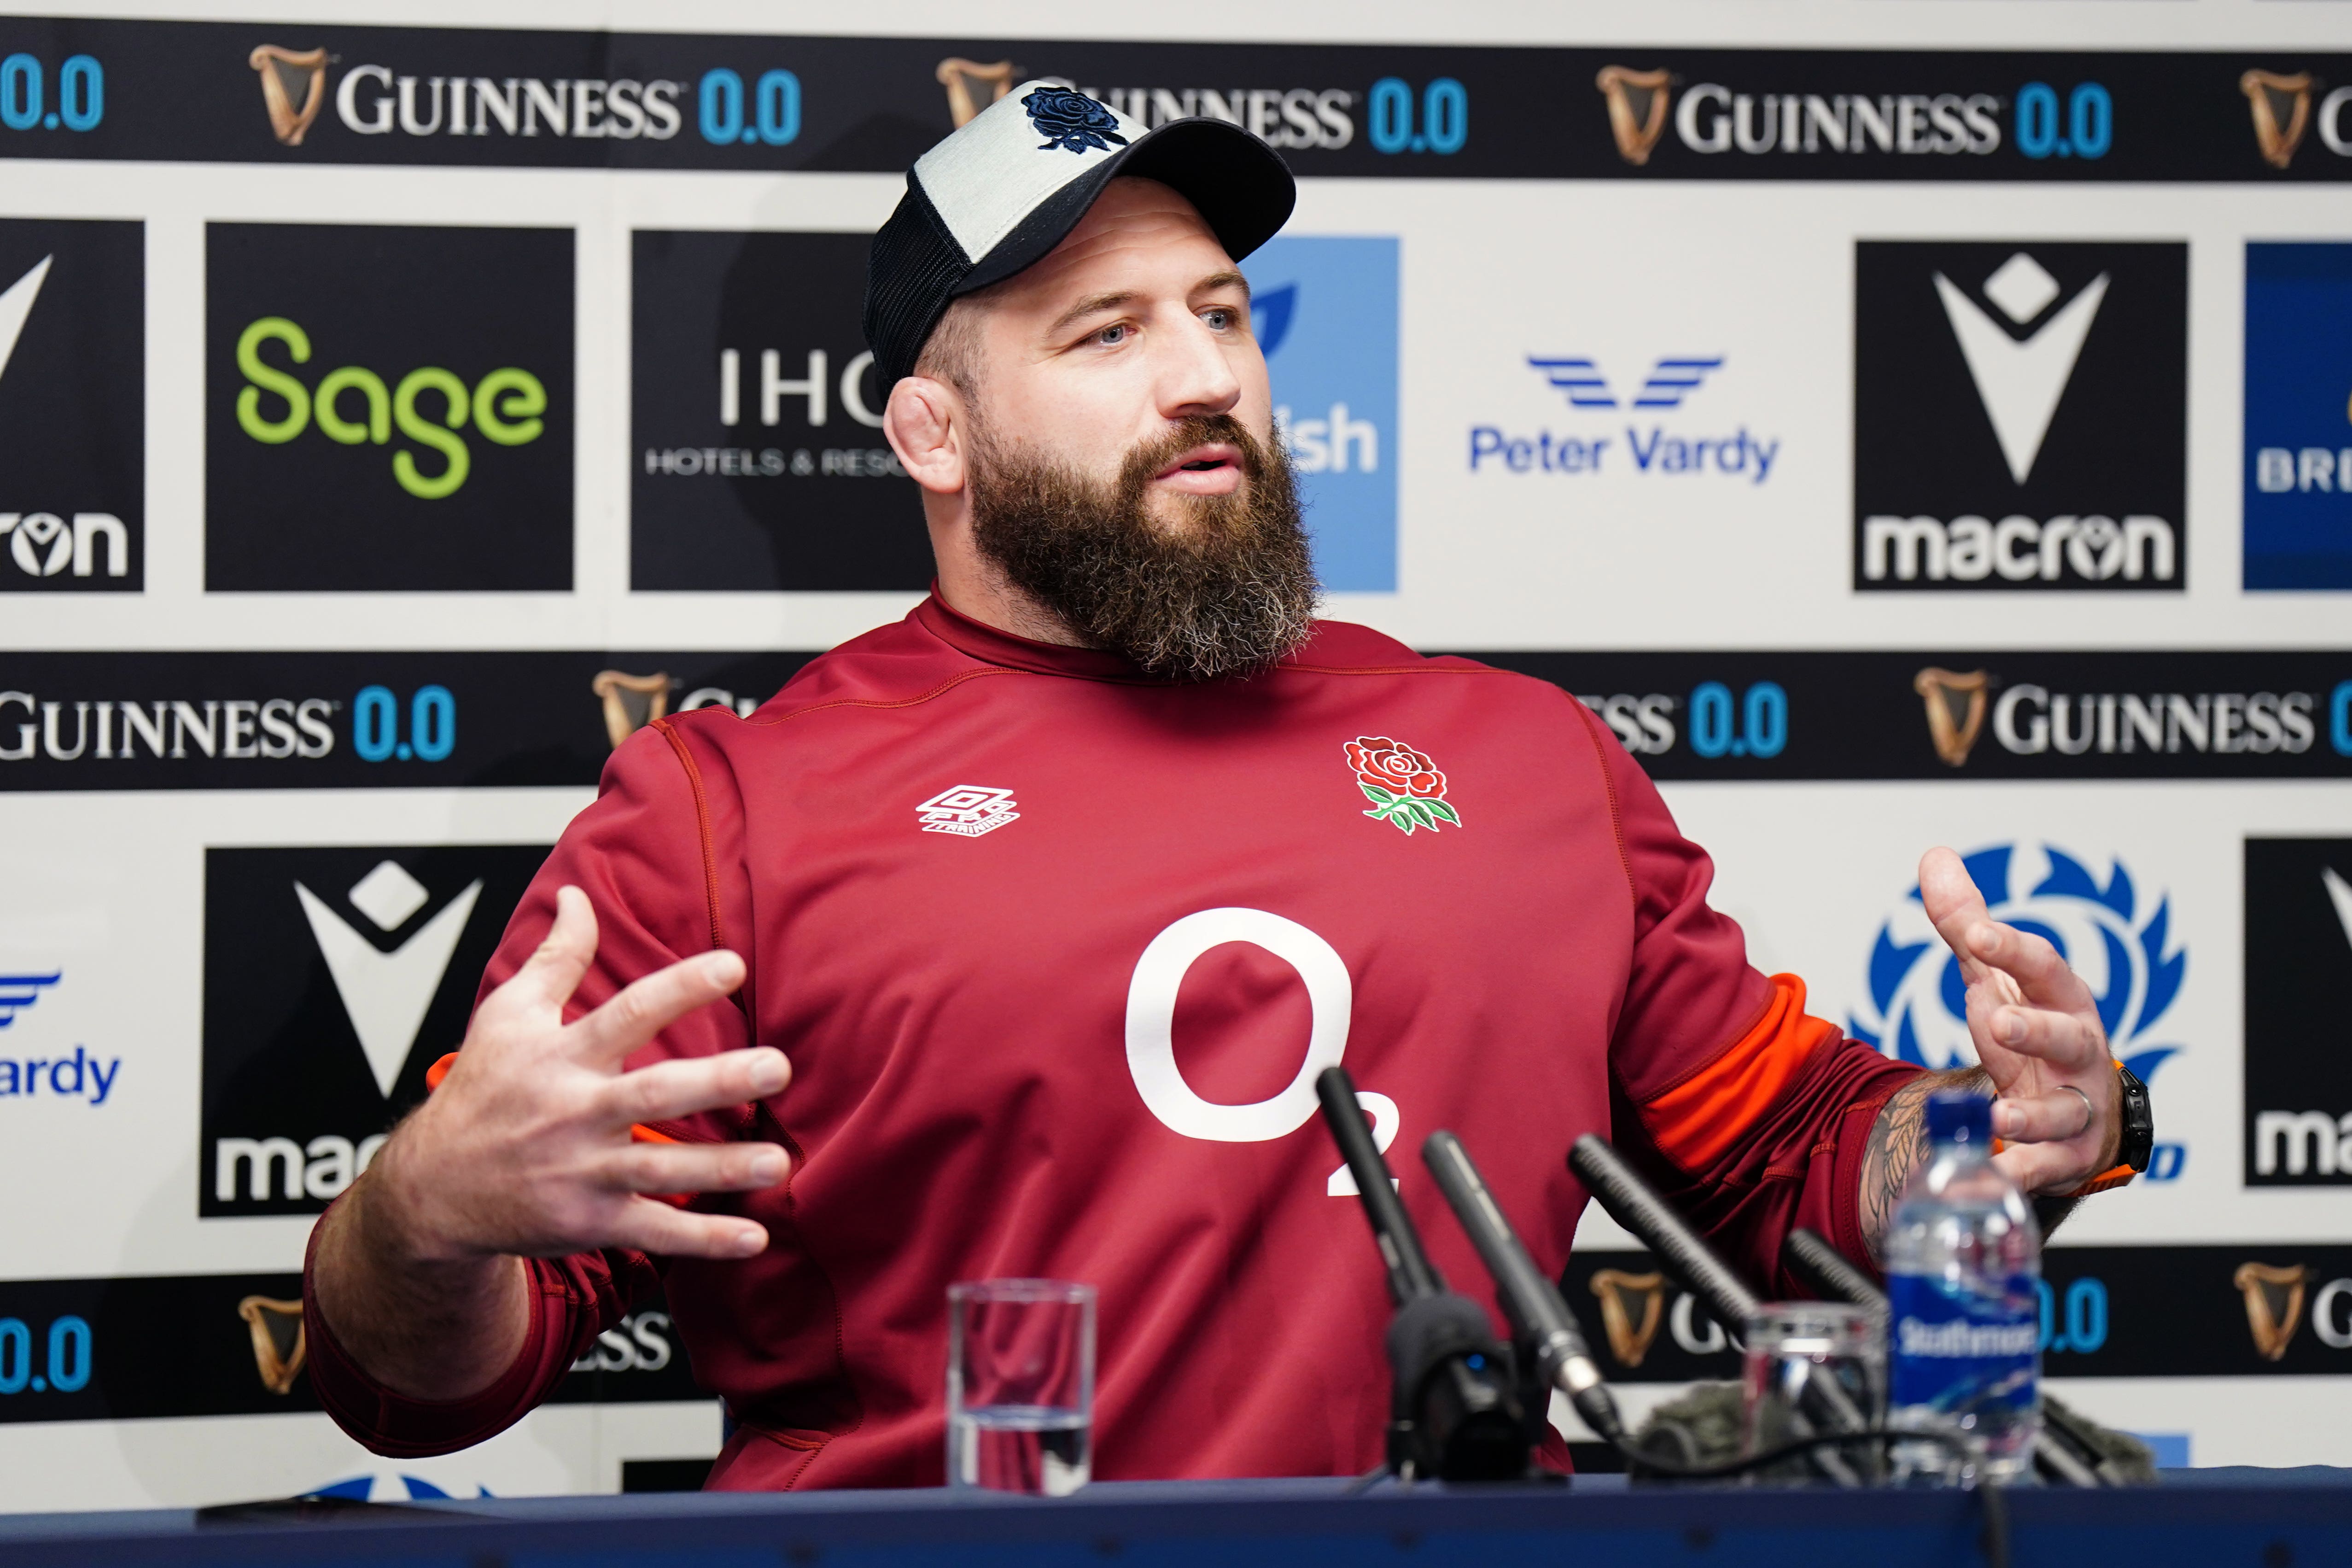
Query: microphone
x,y
1538,1318
1629,1200
1451,1411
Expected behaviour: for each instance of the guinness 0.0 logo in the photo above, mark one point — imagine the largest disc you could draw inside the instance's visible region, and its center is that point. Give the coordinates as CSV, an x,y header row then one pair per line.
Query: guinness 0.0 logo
x,y
293,86
1955,710
2274,1304
2281,109
1631,1307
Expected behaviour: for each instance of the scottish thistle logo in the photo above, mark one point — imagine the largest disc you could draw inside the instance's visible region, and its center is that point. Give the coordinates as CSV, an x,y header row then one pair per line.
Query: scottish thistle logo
x,y
1921,1003
1071,121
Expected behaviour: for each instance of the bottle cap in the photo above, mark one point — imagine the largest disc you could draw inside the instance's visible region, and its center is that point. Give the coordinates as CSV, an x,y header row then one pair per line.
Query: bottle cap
x,y
1959,1116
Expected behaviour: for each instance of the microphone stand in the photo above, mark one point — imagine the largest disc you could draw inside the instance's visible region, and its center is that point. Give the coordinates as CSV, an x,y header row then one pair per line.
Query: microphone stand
x,y
1631,1202
1453,1411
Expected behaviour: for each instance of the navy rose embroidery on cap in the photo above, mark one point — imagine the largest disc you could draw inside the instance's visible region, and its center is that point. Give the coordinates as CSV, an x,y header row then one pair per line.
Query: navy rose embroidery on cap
x,y
1069,118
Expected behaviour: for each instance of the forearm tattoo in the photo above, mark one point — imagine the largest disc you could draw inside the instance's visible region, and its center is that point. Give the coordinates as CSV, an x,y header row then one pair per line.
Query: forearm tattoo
x,y
1897,1139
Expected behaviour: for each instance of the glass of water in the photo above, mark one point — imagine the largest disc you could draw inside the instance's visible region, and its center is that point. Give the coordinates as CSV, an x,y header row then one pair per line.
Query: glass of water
x,y
1813,1367
1021,1386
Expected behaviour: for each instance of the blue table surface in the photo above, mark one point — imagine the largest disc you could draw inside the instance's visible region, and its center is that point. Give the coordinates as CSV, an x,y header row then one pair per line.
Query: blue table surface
x,y
2259,1517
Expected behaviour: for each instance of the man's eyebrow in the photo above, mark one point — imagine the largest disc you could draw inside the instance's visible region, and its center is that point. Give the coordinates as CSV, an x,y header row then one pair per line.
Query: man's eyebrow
x,y
1092,305
1228,279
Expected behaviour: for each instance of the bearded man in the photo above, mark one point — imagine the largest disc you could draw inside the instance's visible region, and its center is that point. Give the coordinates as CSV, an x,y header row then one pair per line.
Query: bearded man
x,y
1058,893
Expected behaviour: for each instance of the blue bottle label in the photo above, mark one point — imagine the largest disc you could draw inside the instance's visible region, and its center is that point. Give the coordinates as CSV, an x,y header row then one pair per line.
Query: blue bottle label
x,y
1955,1349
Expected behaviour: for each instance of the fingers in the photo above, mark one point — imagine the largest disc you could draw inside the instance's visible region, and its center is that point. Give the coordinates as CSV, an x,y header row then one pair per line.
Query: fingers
x,y
1953,904
689,1084
552,972
2041,1167
657,1227
2040,972
2065,1040
2054,1117
698,1167
652,1004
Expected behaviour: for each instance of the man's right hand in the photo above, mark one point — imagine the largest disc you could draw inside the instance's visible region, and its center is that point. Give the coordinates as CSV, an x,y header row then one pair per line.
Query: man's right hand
x,y
525,1151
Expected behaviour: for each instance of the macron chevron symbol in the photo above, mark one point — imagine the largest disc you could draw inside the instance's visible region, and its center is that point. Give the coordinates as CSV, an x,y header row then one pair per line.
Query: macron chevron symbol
x,y
387,995
2020,382
15,304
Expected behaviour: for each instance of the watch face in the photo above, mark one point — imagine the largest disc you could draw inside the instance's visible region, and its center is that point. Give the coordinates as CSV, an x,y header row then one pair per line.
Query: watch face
x,y
2139,1121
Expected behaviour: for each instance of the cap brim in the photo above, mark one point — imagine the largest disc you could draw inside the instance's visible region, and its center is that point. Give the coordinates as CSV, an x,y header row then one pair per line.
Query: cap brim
x,y
1238,184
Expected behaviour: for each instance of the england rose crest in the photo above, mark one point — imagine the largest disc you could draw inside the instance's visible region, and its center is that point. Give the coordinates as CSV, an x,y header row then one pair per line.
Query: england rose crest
x,y
1405,787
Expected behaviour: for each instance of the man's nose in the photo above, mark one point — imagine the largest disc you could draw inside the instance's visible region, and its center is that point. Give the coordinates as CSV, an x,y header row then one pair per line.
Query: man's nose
x,y
1198,376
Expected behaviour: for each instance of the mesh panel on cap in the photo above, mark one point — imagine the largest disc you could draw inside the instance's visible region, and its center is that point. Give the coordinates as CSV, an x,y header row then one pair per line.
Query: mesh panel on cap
x,y
909,275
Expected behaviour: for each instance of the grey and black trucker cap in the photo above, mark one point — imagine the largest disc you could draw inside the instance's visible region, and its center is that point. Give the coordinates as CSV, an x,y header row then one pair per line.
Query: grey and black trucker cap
x,y
1003,190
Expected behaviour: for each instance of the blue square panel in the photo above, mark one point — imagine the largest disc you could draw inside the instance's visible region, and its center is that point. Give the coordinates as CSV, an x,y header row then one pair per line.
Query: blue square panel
x,y
1325,310
2298,451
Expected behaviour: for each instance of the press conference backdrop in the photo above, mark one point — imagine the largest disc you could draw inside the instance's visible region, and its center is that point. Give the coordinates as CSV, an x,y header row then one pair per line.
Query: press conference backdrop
x,y
1903,425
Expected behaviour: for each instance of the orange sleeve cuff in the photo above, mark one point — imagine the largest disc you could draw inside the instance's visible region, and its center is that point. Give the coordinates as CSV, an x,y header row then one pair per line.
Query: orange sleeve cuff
x,y
1700,1117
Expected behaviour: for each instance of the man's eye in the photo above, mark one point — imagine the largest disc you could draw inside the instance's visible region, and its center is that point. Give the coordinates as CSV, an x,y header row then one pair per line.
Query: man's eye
x,y
1218,319
1117,333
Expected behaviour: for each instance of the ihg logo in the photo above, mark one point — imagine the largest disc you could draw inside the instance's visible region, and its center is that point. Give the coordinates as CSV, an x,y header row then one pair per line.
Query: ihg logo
x,y
388,408
504,407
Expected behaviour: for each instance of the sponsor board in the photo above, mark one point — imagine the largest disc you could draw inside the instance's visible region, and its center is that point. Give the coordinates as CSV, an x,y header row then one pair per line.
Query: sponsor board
x,y
2298,432
333,978
758,458
2298,1080
387,408
228,93
1325,311
1807,714
2021,416
2241,1311
73,362
247,721
232,1344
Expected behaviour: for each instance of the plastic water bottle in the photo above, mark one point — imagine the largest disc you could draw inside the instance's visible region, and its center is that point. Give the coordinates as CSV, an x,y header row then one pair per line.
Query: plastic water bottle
x,y
1964,1321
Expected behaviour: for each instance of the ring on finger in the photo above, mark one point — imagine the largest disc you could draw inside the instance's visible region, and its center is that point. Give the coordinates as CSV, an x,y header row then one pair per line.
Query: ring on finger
x,y
2090,1112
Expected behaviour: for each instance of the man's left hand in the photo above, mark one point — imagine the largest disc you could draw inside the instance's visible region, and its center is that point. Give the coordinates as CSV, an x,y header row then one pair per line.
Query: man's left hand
x,y
2037,1033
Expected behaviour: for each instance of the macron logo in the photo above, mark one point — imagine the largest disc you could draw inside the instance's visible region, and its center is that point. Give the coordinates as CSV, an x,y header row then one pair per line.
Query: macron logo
x,y
387,995
2020,382
2339,894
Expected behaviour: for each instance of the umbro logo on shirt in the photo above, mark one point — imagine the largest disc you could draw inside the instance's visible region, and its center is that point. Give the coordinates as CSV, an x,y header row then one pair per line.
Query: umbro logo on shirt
x,y
968,811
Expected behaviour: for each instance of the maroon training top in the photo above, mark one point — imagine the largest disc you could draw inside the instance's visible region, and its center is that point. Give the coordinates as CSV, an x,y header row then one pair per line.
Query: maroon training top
x,y
1056,951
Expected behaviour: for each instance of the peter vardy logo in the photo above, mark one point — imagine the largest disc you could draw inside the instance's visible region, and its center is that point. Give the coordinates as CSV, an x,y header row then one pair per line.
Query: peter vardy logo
x,y
1325,311
19,992
1628,424
388,408
2020,416
2298,430
2123,950
72,354
333,978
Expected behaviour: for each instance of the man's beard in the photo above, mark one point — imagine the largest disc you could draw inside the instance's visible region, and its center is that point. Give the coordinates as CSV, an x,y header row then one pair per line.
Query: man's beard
x,y
1225,589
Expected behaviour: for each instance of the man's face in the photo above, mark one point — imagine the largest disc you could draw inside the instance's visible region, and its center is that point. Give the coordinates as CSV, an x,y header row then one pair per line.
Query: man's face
x,y
1136,323
1120,456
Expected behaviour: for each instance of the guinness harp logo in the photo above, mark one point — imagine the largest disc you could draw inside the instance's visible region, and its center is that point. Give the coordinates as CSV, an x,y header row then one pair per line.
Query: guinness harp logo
x,y
2274,1304
1637,109
1955,710
958,75
1631,1307
276,1340
293,85
631,702
2281,108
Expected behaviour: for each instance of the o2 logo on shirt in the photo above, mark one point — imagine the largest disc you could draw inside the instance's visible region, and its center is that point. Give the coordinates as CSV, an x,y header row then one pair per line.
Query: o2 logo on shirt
x,y
1151,1034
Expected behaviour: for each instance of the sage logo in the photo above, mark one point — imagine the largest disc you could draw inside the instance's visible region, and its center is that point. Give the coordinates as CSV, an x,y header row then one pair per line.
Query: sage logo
x,y
2021,416
504,408
2298,1087
333,977
72,423
2104,927
388,408
758,459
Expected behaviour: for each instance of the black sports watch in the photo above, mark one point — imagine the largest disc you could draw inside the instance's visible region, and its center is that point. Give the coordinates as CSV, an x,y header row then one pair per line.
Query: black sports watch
x,y
2138,1136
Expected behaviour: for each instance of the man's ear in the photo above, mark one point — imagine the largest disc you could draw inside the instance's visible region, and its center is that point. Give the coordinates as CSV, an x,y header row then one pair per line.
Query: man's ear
x,y
924,421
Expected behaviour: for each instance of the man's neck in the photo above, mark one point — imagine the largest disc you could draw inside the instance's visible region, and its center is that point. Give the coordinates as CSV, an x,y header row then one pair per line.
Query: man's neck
x,y
976,589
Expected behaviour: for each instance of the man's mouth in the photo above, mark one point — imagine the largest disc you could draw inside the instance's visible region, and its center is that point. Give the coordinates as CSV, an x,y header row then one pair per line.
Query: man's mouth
x,y
1213,469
